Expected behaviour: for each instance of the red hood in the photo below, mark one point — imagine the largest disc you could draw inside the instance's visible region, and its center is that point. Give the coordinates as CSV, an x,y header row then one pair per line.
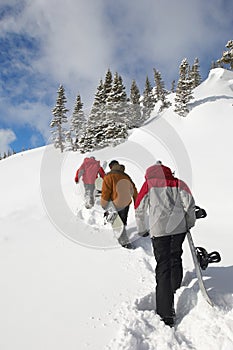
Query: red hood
x,y
158,172
90,161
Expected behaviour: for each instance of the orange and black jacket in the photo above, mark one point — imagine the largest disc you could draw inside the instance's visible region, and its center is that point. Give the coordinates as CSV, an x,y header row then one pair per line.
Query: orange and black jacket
x,y
118,187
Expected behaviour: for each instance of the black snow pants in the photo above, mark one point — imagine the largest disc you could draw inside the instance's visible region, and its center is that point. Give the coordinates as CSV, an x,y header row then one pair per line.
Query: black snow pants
x,y
169,271
123,213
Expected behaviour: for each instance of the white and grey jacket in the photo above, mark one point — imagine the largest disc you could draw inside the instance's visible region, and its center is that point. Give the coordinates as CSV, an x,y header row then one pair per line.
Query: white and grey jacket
x,y
170,202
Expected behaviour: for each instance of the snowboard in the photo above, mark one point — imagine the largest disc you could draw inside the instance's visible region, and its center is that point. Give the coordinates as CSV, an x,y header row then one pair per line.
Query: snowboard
x,y
98,182
201,258
98,186
111,216
198,270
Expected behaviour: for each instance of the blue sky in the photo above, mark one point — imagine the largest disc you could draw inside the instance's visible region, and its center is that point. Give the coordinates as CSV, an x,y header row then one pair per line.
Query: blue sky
x,y
74,42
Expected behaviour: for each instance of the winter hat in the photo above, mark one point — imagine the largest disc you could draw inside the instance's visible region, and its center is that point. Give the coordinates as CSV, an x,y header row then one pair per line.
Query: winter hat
x,y
113,162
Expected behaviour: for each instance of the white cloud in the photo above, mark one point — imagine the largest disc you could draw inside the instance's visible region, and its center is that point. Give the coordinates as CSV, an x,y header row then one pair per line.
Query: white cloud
x,y
34,140
81,39
35,114
75,45
164,32
7,136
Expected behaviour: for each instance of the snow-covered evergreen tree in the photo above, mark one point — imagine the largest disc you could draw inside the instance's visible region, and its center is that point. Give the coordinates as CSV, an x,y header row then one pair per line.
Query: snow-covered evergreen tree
x,y
69,142
59,118
195,73
214,64
173,86
87,141
160,91
227,56
135,117
103,91
183,90
115,134
159,85
148,102
98,107
77,124
95,123
106,123
102,135
116,103
107,84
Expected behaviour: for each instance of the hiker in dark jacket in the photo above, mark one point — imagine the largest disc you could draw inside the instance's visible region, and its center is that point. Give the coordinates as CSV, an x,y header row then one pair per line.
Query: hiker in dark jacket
x,y
171,213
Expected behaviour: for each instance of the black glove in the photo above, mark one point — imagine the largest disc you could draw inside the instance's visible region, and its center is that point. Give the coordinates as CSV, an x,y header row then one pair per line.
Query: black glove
x,y
144,234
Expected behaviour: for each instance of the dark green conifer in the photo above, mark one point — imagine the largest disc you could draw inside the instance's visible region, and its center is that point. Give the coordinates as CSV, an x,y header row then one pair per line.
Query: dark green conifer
x,y
59,118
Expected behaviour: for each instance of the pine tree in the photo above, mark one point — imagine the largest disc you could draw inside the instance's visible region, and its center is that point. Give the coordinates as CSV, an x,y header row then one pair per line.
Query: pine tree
x,y
88,141
123,107
214,64
106,123
227,56
107,84
173,88
160,91
159,85
116,103
100,136
184,90
59,113
98,107
148,102
69,142
135,117
195,73
77,123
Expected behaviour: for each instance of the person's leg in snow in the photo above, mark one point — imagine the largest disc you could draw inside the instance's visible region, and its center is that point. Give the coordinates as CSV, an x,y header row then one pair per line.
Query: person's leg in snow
x,y
123,239
176,260
169,273
89,195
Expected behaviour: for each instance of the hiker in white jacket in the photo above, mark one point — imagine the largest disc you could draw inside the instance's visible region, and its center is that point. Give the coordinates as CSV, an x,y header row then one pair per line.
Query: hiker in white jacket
x,y
171,213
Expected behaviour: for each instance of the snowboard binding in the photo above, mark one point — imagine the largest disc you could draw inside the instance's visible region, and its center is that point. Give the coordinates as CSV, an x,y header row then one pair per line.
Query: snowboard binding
x,y
200,212
110,216
98,193
204,258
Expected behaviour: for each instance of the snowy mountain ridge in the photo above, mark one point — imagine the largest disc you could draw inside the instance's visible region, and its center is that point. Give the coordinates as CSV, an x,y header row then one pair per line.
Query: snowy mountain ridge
x,y
66,284
219,80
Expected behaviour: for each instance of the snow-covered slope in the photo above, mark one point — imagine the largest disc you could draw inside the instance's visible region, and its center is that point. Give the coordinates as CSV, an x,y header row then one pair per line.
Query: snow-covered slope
x,y
65,284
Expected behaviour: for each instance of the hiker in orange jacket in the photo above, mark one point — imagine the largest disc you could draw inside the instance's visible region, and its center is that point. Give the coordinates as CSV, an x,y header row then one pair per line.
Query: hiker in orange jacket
x,y
119,188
